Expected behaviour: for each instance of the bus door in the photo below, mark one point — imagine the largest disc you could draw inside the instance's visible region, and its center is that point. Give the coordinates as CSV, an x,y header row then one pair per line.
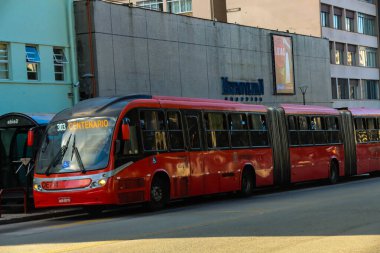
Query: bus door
x,y
13,147
195,153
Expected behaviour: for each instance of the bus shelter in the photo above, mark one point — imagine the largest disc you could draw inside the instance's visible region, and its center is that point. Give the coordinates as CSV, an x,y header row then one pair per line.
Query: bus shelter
x,y
16,157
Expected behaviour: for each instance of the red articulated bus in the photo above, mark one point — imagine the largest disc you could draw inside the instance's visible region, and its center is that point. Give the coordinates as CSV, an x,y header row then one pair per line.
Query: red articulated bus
x,y
362,136
314,144
139,148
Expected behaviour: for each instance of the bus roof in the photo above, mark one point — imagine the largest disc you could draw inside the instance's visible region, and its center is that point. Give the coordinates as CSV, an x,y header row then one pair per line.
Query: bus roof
x,y
99,106
112,106
364,111
210,104
309,109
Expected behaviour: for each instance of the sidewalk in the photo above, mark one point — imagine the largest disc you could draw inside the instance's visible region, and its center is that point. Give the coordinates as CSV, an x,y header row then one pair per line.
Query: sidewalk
x,y
7,218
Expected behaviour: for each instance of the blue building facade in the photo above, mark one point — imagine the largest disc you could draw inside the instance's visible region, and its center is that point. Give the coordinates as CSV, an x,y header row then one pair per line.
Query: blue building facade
x,y
38,65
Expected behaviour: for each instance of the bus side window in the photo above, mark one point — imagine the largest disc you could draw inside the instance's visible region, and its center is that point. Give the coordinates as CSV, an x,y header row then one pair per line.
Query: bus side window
x,y
175,130
320,135
293,133
360,129
378,128
258,129
152,124
332,130
239,130
216,130
373,133
306,136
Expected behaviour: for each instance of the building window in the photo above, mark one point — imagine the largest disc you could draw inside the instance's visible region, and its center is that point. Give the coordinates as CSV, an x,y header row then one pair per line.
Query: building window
x,y
32,62
354,89
369,1
337,18
332,55
339,50
59,64
156,5
4,71
366,24
179,6
349,21
334,88
342,88
351,55
325,13
367,57
372,89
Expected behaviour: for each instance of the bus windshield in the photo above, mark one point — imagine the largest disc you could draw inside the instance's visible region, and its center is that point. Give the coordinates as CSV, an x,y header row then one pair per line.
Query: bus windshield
x,y
76,145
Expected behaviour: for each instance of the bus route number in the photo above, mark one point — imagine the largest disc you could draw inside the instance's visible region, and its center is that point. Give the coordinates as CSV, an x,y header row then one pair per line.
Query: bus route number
x,y
61,127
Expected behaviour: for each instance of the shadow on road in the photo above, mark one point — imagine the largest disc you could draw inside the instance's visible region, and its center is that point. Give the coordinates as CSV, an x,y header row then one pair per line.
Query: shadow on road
x,y
313,209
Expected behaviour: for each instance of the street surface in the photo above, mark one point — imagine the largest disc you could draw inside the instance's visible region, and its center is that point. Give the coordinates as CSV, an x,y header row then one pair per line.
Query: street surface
x,y
316,218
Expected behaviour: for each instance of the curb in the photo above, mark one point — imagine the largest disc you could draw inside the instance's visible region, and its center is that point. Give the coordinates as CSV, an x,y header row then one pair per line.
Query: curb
x,y
40,216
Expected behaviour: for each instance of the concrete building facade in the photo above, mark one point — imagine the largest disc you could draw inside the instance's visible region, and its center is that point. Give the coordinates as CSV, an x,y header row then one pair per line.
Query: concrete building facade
x,y
352,28
135,50
350,25
37,56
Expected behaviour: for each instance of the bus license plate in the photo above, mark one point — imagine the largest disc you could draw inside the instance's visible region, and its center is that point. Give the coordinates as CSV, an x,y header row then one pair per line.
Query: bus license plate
x,y
64,200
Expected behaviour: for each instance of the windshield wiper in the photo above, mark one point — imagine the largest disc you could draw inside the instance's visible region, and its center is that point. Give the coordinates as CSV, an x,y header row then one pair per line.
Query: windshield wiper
x,y
58,157
45,144
77,155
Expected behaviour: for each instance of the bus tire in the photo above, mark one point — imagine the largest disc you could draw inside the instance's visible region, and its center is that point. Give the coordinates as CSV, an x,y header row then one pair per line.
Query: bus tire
x,y
333,174
247,183
159,194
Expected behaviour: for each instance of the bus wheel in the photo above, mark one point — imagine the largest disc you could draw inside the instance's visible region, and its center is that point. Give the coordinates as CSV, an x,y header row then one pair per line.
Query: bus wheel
x,y
333,177
247,183
159,194
374,173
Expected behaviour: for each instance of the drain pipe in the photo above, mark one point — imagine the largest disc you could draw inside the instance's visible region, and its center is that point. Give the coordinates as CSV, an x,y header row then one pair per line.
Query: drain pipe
x,y
73,53
90,45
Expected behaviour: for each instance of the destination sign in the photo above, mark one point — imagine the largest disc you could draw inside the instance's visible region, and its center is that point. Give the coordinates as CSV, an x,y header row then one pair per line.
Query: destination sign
x,y
88,124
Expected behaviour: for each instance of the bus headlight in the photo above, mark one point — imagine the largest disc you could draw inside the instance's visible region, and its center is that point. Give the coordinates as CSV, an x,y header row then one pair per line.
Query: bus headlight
x,y
37,187
102,182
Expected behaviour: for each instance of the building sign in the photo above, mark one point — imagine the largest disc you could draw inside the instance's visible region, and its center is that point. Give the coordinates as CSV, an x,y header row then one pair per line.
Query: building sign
x,y
283,65
242,91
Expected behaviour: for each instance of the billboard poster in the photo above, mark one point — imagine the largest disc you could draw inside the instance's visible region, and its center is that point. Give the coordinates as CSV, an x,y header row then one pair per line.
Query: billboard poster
x,y
283,65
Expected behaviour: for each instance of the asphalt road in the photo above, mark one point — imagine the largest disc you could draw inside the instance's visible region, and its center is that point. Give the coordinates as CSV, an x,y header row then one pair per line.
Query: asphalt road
x,y
318,218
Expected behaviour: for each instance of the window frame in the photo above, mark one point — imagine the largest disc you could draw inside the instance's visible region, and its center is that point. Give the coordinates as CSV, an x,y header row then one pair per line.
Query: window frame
x,y
32,62
164,130
149,5
239,131
169,131
59,60
263,131
4,60
169,4
207,130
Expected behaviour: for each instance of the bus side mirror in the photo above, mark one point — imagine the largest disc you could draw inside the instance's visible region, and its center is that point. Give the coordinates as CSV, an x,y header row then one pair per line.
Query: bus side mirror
x,y
126,132
30,140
